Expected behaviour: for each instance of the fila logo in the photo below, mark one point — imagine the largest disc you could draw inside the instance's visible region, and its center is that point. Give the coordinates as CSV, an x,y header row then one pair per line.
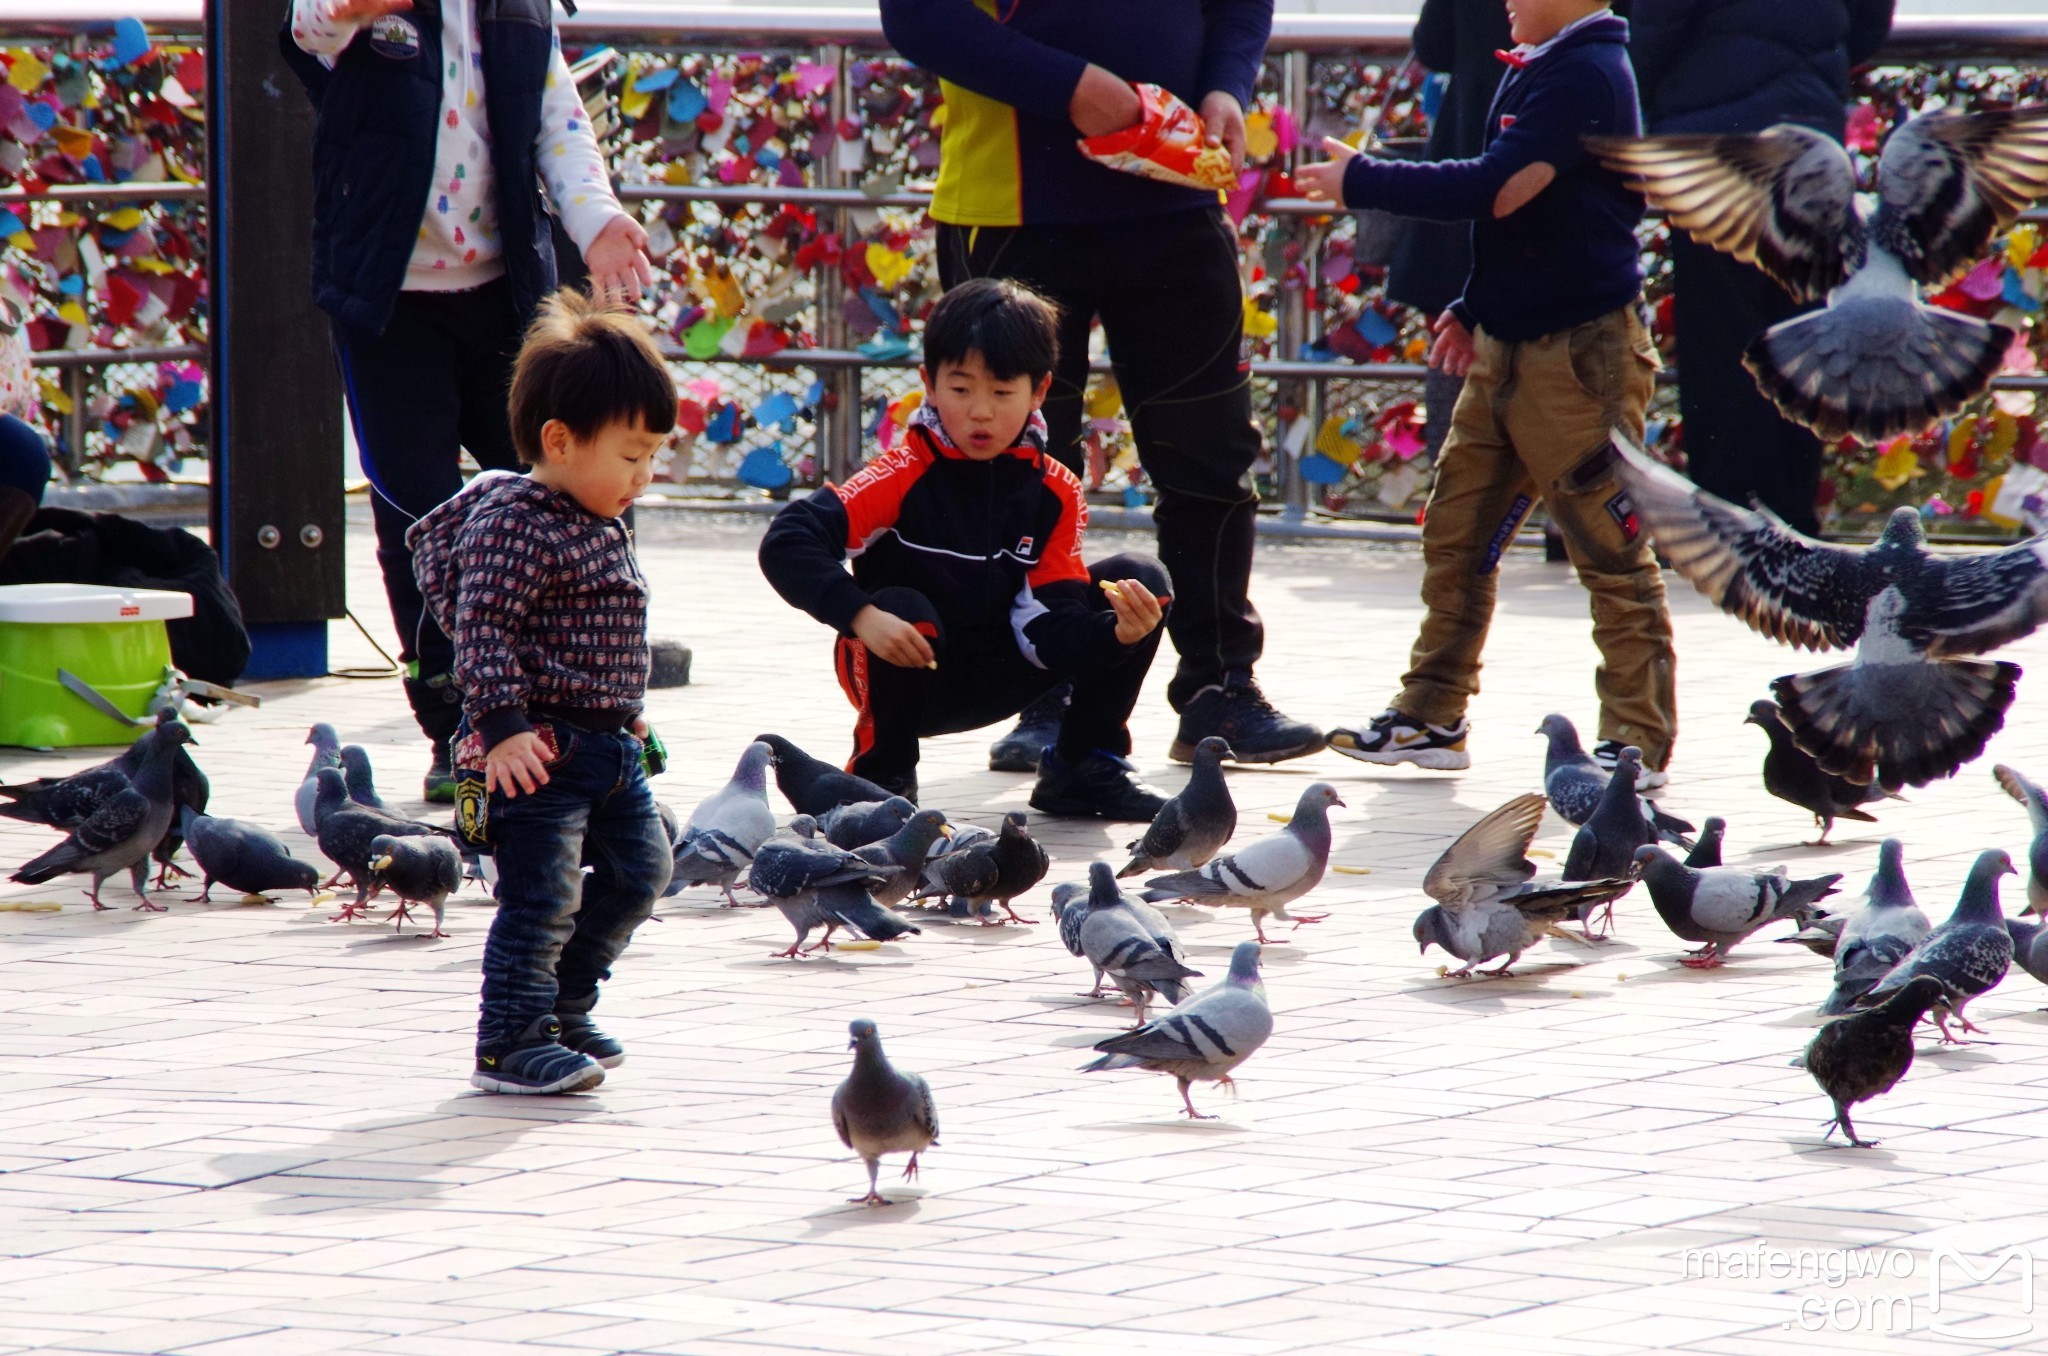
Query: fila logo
x,y
1024,545
1507,120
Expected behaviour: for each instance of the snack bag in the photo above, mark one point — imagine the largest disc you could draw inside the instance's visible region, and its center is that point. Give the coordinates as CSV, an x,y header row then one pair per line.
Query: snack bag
x,y
1167,143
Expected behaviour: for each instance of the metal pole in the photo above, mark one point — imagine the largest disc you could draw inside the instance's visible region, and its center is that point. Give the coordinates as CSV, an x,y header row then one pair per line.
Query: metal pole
x,y
839,423
74,422
1306,397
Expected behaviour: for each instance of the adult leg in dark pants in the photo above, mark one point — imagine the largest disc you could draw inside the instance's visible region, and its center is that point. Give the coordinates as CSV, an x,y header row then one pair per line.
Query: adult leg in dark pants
x,y
1172,306
982,678
435,382
1737,444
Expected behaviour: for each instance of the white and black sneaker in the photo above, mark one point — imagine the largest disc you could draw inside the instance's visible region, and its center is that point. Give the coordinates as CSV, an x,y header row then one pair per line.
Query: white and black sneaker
x,y
1608,752
1391,738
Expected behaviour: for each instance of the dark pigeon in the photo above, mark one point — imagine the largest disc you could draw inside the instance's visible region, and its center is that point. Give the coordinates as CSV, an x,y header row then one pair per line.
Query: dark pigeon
x,y
1193,826
959,877
1721,905
1791,774
1861,1056
793,872
243,856
67,802
1969,953
121,833
1707,851
346,830
1574,781
1605,846
361,780
190,790
811,785
879,1110
2031,796
326,753
903,855
1877,936
865,821
990,871
418,871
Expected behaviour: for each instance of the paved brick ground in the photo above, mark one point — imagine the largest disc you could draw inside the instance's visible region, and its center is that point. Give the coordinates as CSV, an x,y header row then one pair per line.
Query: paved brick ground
x,y
246,1130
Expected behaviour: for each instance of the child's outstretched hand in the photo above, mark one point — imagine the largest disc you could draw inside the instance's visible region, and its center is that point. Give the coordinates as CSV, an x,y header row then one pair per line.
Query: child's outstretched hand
x,y
1325,182
358,11
1138,611
889,637
516,763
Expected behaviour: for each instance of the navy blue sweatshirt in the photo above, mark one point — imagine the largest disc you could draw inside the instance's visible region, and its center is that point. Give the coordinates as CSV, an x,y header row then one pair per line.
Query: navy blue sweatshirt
x,y
1570,254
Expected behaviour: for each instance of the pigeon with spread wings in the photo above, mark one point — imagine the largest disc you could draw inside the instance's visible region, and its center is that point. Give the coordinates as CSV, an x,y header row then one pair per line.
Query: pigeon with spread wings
x,y
1911,708
1876,361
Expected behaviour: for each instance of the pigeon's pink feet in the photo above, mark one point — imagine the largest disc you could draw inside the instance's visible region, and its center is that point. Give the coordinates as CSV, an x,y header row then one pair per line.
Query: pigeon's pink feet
x,y
872,1198
1301,918
794,952
349,913
1710,959
150,906
1016,917
910,1169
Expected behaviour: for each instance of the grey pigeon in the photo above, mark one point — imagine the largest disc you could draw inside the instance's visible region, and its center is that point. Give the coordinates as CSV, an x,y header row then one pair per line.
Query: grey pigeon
x,y
1876,361
811,785
1876,937
360,778
989,871
1792,775
1574,781
1605,846
865,821
727,828
2029,946
903,855
792,872
1488,901
1193,826
345,831
1969,953
243,856
1121,944
1707,851
67,802
120,834
1721,905
1909,710
417,871
326,753
1070,913
1265,876
1858,1057
1821,936
880,1109
2031,796
1202,1039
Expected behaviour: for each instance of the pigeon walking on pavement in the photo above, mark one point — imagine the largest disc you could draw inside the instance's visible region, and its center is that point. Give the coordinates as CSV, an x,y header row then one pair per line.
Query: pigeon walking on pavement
x,y
1721,905
903,855
1488,901
1605,846
1070,915
243,856
1875,361
1122,945
1707,851
1193,826
67,802
1203,1039
1575,782
800,877
1792,775
1969,953
361,778
2031,796
416,871
865,821
2029,946
346,829
982,871
190,790
879,1109
727,828
121,833
1861,1056
1876,937
811,785
1267,875
1911,708
326,753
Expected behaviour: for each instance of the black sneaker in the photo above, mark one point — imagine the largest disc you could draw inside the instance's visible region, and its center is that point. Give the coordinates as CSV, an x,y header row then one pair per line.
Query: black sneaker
x,y
1608,752
536,1063
440,782
1391,737
1100,786
580,1034
1236,710
1038,725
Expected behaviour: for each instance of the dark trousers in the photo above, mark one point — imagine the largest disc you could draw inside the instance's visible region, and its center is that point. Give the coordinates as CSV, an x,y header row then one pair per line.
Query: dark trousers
x,y
433,384
982,677
1736,443
1171,304
558,931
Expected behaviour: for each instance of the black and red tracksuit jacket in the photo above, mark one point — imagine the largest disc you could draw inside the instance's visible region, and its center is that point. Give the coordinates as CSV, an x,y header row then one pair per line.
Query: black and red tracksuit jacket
x,y
995,545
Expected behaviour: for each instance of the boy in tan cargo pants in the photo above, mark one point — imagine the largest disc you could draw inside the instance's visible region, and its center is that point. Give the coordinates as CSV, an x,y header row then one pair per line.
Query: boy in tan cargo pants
x,y
1550,338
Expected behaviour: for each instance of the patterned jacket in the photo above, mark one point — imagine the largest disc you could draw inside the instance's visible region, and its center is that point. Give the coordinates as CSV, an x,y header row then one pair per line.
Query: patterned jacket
x,y
544,601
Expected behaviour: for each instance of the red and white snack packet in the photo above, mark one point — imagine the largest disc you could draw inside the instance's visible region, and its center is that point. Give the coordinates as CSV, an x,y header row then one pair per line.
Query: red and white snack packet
x,y
1167,143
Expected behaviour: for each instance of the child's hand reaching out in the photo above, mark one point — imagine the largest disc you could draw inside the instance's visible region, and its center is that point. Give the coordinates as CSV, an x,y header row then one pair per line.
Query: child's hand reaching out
x,y
1138,611
1325,182
889,637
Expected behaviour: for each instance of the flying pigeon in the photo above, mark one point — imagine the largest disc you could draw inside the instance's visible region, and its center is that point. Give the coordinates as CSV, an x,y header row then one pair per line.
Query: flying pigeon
x,y
988,870
1122,945
2031,796
865,821
67,802
1876,937
1193,826
361,780
326,753
417,871
903,855
1488,902
120,834
1202,1039
1724,904
1574,781
879,1110
799,877
1791,774
346,829
812,786
727,828
1862,1056
1707,851
1265,876
1908,710
1969,953
1876,361
242,856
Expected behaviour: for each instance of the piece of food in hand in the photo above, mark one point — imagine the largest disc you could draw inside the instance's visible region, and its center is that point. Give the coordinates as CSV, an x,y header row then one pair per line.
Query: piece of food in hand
x,y
1109,587
1168,142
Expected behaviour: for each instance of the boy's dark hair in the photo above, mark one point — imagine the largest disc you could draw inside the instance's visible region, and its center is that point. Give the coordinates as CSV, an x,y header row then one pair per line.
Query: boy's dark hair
x,y
1015,330
589,366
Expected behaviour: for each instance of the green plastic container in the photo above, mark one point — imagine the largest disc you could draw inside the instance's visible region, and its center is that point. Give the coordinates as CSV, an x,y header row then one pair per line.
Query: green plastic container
x,y
112,638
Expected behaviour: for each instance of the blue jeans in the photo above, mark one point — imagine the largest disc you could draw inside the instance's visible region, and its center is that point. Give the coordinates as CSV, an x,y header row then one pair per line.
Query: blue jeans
x,y
558,931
